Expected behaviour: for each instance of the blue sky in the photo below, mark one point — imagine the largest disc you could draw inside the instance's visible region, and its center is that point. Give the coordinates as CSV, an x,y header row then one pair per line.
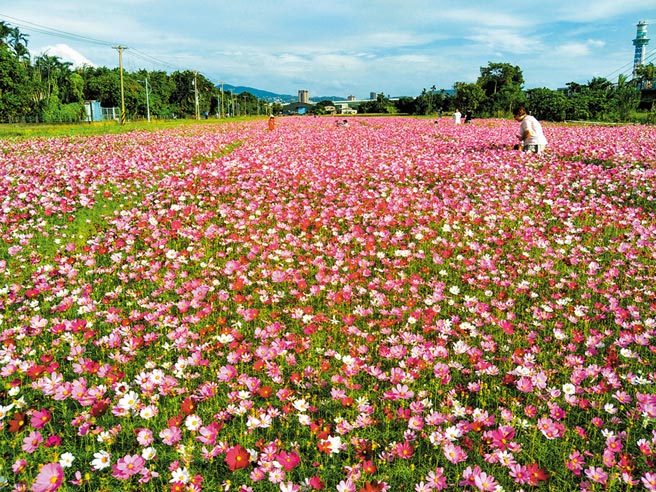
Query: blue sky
x,y
343,47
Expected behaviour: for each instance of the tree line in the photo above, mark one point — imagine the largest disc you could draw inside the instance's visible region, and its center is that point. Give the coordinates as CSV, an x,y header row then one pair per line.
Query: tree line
x,y
499,90
47,89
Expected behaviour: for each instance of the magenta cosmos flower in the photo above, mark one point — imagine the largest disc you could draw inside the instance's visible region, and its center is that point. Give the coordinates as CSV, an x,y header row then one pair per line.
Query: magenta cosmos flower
x,y
49,478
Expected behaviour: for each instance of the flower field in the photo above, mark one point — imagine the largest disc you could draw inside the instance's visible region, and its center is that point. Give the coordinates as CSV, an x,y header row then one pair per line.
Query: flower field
x,y
396,305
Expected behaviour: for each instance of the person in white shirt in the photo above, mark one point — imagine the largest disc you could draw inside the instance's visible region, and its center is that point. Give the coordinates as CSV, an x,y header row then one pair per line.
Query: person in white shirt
x,y
530,132
456,117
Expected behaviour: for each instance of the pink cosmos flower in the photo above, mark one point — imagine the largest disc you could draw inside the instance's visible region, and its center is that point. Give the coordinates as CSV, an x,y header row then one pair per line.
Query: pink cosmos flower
x,y
404,450
32,441
500,437
145,437
49,478
288,487
519,473
40,418
576,462
524,384
649,481
485,482
18,466
454,453
596,474
436,479
170,435
127,466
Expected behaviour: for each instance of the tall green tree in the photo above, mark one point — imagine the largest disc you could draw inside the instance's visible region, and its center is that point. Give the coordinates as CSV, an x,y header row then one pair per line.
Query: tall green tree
x,y
502,84
381,104
53,73
625,98
547,104
101,84
646,76
468,96
15,99
188,85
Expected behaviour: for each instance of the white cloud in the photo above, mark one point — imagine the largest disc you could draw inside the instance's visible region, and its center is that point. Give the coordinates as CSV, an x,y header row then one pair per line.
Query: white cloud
x,y
504,40
66,54
599,10
578,49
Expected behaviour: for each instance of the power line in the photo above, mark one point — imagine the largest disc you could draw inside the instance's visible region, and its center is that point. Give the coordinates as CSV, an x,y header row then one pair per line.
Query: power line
x,y
151,59
54,32
627,69
31,26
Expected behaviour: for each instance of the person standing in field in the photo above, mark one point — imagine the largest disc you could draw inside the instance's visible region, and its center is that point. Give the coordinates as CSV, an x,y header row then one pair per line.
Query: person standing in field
x,y
457,116
530,132
272,122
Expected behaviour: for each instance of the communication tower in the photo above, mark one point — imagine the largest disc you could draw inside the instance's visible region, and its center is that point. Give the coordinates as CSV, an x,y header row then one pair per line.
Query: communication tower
x,y
640,43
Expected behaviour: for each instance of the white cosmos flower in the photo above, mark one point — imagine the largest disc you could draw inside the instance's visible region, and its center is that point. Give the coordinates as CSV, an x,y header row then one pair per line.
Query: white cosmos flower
x,y
569,389
129,400
101,460
193,422
148,453
66,460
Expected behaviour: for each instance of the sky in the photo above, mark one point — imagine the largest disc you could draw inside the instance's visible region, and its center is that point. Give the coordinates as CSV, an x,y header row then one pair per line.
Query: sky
x,y
342,47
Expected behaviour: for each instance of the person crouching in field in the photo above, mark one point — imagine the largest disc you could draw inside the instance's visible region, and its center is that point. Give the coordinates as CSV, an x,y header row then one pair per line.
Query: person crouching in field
x,y
530,132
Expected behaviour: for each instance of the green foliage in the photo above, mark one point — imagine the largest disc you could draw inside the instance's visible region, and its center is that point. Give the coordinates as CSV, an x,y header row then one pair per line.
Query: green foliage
x,y
56,112
468,97
626,98
14,98
502,84
546,104
380,105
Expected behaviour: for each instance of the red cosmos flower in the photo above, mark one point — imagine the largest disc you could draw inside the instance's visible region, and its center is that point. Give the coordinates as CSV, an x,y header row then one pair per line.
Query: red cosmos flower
x,y
324,446
35,371
321,429
265,391
188,406
17,423
316,483
99,408
288,461
373,486
368,467
177,487
536,474
347,401
237,457
363,450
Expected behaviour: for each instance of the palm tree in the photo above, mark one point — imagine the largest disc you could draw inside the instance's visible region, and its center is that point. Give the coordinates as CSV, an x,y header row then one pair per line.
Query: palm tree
x,y
15,40
50,69
5,29
18,42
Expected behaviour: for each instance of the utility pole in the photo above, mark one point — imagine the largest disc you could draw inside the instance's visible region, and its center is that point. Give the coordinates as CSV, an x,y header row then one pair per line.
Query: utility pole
x,y
147,100
120,66
222,112
196,95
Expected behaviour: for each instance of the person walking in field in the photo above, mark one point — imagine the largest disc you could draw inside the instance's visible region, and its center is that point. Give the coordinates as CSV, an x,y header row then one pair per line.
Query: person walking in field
x,y
530,132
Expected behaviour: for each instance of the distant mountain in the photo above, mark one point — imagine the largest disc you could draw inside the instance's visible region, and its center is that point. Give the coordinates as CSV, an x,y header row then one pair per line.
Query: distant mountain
x,y
272,97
